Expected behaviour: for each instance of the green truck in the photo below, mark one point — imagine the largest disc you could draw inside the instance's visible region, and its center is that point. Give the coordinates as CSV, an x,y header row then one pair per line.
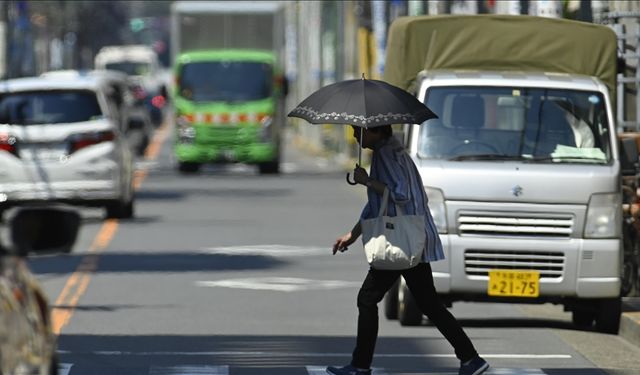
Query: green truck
x,y
229,83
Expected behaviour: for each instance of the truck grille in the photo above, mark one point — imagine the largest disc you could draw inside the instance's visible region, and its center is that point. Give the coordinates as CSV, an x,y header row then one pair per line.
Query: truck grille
x,y
549,264
529,226
227,136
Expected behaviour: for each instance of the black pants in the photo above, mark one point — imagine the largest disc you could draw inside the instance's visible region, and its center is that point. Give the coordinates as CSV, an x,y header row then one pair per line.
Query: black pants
x,y
420,282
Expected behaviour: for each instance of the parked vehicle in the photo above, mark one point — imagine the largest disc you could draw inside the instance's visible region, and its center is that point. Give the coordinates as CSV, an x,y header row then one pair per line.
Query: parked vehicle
x,y
135,121
61,140
631,216
523,165
27,340
229,83
140,63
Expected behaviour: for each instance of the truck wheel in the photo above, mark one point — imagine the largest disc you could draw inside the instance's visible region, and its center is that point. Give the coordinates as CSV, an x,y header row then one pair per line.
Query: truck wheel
x,y
408,312
608,315
583,318
188,167
391,302
271,167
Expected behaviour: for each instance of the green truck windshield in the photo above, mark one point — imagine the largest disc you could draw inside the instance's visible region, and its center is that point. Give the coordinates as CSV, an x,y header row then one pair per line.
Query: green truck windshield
x,y
227,81
515,123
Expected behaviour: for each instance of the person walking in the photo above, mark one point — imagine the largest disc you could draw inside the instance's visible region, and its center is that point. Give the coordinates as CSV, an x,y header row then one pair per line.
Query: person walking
x,y
393,169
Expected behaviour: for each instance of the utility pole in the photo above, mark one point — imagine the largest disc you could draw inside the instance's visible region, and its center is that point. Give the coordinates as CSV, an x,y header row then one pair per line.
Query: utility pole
x,y
5,38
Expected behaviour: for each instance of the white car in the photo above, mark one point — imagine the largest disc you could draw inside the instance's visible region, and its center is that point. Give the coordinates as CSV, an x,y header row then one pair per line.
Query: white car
x,y
61,141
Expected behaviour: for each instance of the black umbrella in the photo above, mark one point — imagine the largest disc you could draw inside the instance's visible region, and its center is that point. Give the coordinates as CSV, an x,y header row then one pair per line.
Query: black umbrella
x,y
365,103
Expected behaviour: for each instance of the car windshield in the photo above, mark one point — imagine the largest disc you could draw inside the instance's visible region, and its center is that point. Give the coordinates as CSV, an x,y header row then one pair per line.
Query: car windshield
x,y
132,68
48,107
515,123
228,81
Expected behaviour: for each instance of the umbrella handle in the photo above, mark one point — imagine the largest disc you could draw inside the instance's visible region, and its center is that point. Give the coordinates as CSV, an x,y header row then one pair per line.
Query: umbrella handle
x,y
349,182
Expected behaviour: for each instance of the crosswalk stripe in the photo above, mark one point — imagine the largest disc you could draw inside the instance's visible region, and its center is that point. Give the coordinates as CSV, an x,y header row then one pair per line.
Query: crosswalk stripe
x,y
64,368
322,370
189,370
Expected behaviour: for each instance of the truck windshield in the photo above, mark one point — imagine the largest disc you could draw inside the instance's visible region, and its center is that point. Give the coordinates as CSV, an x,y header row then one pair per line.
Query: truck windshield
x,y
514,123
227,81
48,107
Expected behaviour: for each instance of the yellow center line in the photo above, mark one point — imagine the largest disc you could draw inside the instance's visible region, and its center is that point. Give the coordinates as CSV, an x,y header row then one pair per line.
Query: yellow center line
x,y
78,282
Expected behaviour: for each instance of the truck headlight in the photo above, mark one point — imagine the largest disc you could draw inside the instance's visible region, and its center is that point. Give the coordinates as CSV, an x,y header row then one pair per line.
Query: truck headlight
x,y
186,131
266,130
604,216
437,208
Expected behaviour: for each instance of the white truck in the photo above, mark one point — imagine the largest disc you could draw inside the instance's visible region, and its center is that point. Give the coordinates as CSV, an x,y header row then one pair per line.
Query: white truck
x,y
523,166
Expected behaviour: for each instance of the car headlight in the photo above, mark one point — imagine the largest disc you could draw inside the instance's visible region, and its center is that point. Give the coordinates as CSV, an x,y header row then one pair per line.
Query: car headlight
x,y
604,216
437,208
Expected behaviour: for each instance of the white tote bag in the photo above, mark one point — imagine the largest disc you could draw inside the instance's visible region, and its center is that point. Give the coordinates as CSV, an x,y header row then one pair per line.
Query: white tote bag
x,y
393,243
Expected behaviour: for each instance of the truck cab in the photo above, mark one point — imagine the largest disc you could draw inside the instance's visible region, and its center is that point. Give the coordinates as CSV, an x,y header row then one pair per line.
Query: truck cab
x,y
521,175
522,165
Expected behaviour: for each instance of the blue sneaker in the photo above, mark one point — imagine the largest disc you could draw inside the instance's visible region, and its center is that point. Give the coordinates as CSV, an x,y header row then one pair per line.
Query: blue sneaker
x,y
347,370
474,367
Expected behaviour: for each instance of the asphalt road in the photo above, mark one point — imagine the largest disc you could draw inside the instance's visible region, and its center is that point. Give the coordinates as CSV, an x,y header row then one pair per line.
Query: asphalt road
x,y
230,272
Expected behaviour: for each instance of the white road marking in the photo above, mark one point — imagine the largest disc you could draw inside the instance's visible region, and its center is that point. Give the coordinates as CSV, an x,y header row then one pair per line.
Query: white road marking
x,y
64,368
322,370
189,370
280,284
269,354
269,250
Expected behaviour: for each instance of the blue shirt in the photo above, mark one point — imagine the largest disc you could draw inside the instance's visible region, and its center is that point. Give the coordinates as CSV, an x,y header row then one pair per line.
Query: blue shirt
x,y
391,165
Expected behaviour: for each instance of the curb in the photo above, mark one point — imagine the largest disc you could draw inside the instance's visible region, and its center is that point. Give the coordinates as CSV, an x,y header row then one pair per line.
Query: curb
x,y
630,320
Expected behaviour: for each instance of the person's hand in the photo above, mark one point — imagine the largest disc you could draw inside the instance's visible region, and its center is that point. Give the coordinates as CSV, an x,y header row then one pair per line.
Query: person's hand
x,y
342,243
360,175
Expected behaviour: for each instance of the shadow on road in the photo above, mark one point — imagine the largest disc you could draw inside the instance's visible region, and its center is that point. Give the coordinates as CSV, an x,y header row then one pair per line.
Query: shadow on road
x,y
179,261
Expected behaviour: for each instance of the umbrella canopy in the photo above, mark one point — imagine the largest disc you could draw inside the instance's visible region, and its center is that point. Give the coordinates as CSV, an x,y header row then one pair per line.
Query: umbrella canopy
x,y
362,102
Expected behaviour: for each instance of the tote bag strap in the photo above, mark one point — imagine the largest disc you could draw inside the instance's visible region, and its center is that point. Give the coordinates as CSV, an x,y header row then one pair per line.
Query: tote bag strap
x,y
385,203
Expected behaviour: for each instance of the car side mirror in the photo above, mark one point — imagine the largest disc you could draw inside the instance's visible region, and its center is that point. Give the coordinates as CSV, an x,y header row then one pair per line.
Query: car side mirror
x,y
629,157
40,230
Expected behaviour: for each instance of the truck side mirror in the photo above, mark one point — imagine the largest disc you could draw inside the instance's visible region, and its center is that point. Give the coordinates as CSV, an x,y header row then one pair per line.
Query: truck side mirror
x,y
629,157
282,83
44,230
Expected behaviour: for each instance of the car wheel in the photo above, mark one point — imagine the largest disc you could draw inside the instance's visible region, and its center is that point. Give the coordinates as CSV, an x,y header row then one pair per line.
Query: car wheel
x,y
142,147
188,167
120,210
408,312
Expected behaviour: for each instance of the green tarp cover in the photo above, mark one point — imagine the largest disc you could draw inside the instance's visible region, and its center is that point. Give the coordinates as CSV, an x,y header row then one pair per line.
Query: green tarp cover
x,y
499,43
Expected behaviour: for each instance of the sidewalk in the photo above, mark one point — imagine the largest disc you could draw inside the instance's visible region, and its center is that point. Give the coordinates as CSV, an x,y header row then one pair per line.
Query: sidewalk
x,y
630,321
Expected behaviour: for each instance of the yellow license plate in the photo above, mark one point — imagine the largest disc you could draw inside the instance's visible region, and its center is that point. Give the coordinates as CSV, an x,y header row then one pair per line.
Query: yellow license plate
x,y
514,283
